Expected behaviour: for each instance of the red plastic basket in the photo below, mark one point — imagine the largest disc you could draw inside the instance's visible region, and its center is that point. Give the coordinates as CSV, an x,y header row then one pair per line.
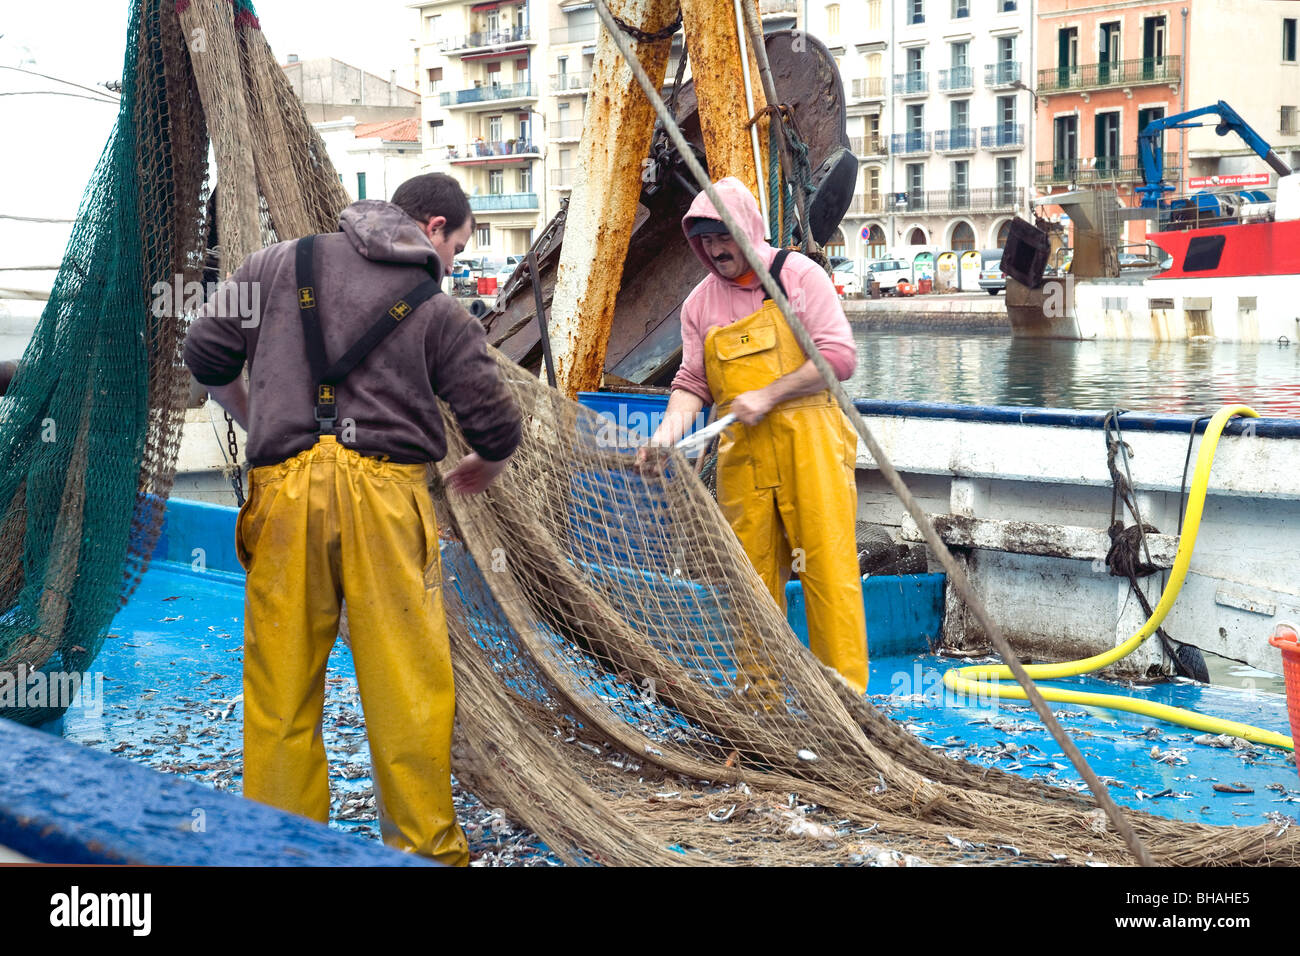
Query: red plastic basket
x,y
1286,639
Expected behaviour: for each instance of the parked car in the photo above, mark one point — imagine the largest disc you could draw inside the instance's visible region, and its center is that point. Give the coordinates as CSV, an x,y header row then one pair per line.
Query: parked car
x,y
888,273
992,279
845,275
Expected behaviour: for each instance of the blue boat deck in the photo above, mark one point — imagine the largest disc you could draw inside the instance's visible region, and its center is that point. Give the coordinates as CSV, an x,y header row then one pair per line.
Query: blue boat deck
x,y
172,685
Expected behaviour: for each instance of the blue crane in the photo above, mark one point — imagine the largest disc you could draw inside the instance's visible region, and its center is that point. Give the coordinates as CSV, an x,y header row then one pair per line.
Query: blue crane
x,y
1150,152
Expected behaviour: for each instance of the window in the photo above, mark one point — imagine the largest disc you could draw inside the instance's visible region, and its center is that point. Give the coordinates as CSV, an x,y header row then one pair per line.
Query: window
x,y
435,77
496,182
1288,125
1006,49
1065,148
526,180
915,186
959,192
963,237
915,59
960,8
1006,181
483,236
1006,110
1153,46
432,26
1288,40
1109,52
361,185
960,111
494,128
1147,116
1067,55
917,8
915,119
1106,143
873,185
960,54
873,14
833,19
435,132
1006,6
1203,253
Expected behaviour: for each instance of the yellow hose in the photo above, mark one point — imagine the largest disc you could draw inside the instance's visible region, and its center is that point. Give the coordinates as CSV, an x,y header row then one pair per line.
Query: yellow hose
x,y
982,679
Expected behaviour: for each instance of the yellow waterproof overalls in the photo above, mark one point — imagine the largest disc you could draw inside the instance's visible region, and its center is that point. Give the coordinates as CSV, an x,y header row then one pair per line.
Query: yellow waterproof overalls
x,y
787,483
331,525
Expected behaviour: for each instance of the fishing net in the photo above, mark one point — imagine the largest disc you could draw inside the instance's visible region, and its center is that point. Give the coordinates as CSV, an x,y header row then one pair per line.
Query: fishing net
x,y
627,689
90,426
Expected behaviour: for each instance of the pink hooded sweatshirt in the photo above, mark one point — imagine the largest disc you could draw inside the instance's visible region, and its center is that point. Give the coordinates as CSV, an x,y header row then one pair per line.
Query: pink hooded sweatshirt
x,y
719,301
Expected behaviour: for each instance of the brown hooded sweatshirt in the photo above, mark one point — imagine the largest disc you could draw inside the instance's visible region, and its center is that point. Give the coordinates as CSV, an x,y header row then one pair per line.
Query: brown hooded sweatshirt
x,y
439,351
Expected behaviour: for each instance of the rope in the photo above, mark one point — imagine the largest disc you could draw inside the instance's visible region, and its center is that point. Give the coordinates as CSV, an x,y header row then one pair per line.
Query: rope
x,y
956,575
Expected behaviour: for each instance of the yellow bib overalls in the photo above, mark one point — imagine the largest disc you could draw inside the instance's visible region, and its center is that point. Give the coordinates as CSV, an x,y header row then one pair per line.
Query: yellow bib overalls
x,y
786,486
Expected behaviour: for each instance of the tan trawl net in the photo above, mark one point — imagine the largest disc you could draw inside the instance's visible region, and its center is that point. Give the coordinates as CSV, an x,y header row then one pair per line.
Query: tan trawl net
x,y
614,650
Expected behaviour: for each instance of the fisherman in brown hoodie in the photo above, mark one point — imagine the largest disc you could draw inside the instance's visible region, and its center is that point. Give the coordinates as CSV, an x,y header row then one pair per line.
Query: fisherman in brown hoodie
x,y
338,507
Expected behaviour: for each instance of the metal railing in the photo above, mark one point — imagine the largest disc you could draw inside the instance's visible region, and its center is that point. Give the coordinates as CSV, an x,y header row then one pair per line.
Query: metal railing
x,y
562,178
1002,136
570,82
915,81
1100,169
481,94
904,144
957,199
567,129
868,145
470,41
585,33
1098,76
503,202
1004,73
958,78
487,148
869,88
952,140
870,205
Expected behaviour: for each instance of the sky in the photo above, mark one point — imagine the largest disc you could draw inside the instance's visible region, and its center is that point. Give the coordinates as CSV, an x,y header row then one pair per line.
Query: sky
x,y
52,142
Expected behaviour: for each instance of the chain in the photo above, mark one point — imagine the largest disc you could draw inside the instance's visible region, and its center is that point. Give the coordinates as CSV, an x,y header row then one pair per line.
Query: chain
x,y
644,37
237,474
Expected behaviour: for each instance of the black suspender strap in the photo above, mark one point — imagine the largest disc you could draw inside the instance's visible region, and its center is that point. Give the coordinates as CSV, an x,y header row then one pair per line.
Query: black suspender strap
x,y
327,376
777,263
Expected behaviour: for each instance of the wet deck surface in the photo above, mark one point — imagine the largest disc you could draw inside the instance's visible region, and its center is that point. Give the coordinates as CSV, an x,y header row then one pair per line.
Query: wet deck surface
x,y
172,671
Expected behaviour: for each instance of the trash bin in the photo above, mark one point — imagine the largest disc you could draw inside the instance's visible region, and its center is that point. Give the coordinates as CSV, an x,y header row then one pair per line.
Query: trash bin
x,y
1285,640
924,286
875,289
487,285
903,288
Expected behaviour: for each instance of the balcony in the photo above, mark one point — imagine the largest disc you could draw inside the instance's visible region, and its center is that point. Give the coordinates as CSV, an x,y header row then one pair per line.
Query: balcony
x,y
868,145
958,199
566,131
1102,76
960,79
1001,75
869,88
504,202
485,38
1102,169
871,205
566,83
910,144
914,83
575,34
492,152
489,94
562,178
961,140
1002,136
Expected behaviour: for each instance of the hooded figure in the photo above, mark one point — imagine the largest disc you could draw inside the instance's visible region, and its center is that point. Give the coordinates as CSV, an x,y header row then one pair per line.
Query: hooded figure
x,y
786,469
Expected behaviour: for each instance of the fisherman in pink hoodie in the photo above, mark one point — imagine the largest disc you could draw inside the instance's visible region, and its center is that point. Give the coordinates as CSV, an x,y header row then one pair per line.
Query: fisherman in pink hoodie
x,y
785,471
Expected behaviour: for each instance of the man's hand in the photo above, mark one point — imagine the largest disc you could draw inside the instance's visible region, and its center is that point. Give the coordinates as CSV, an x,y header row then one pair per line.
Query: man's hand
x,y
750,408
473,474
651,458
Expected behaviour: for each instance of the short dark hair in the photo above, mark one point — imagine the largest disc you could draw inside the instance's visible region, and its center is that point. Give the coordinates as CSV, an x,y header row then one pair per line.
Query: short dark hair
x,y
433,194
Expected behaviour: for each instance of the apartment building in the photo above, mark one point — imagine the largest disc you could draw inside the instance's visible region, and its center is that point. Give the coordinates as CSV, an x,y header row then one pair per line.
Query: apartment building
x,y
331,90
937,113
477,66
1106,70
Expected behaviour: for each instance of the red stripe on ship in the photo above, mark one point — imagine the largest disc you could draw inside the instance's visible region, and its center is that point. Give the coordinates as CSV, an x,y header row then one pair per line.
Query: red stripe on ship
x,y
1250,249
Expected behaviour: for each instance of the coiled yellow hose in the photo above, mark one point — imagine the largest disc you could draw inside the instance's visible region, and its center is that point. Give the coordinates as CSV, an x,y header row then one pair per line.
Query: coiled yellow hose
x,y
983,679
